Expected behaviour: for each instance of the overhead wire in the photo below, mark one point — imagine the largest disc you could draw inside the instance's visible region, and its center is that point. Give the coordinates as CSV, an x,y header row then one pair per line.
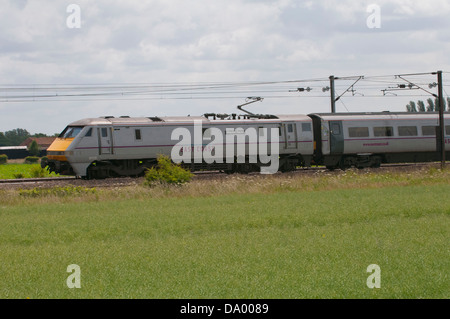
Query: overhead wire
x,y
365,87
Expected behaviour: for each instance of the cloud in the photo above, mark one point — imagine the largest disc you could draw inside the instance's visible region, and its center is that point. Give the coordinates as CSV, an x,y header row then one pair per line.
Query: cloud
x,y
208,41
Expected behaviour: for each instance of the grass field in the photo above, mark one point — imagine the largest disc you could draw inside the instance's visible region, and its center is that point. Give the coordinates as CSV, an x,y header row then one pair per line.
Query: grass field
x,y
243,237
12,171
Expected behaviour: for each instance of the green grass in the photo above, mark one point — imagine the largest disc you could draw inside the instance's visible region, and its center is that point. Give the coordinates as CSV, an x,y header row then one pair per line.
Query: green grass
x,y
12,171
271,242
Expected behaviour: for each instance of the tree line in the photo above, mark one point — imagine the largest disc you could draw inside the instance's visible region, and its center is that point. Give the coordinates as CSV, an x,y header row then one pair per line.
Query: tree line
x,y
17,136
431,106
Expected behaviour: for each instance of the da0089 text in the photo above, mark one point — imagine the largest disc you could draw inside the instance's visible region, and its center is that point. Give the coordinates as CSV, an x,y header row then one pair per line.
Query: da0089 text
x,y
246,308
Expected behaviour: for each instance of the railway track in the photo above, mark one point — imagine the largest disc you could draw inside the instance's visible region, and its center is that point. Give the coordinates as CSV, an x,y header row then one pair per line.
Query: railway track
x,y
34,180
26,183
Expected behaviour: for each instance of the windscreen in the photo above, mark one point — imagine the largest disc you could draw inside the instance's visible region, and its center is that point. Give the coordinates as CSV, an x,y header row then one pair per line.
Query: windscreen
x,y
70,132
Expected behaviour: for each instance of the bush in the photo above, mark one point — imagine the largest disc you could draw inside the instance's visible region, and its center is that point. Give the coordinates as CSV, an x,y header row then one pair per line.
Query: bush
x,y
38,172
3,159
167,172
31,159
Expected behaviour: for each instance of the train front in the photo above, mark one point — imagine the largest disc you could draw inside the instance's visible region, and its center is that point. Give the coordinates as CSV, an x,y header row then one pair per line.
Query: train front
x,y
59,150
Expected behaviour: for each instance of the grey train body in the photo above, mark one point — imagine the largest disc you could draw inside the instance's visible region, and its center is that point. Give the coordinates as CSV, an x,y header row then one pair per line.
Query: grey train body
x,y
126,146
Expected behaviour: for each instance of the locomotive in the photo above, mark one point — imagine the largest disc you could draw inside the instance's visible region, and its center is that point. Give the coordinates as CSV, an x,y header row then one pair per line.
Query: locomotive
x,y
126,146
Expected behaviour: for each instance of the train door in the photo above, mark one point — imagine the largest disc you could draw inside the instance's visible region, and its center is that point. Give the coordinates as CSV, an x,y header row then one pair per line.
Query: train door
x,y
290,134
336,137
105,141
305,134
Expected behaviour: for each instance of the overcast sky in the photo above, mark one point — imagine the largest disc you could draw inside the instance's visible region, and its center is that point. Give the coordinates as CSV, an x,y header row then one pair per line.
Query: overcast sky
x,y
137,42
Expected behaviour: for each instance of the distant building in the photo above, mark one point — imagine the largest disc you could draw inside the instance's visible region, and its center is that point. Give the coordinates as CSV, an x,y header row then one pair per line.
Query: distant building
x,y
43,142
14,152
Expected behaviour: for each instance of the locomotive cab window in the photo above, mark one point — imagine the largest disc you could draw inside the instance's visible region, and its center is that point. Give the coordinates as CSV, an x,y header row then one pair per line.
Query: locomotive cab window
x,y
88,133
70,132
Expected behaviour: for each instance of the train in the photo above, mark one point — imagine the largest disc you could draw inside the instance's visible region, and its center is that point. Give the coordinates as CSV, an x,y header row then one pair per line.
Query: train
x,y
109,146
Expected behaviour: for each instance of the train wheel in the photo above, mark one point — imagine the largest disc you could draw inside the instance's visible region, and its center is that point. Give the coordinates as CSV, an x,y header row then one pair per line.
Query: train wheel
x,y
345,163
376,162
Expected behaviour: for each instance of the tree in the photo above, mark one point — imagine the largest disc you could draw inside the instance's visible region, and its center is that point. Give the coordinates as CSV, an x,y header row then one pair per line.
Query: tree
x,y
39,135
411,107
3,139
16,136
421,106
430,107
436,104
33,149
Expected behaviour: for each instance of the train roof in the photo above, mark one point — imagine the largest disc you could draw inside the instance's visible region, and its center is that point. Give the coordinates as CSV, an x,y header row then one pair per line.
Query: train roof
x,y
377,115
126,120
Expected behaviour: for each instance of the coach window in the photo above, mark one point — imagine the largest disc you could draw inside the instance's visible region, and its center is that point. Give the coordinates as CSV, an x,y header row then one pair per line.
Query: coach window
x,y
358,131
290,128
383,131
428,130
407,130
306,127
88,133
137,135
447,130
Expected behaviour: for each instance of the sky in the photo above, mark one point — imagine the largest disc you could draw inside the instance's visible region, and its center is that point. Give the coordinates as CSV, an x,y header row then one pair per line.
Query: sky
x,y
61,61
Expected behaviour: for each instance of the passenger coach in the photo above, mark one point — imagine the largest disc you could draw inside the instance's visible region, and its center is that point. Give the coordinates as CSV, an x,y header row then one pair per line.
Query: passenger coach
x,y
369,139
